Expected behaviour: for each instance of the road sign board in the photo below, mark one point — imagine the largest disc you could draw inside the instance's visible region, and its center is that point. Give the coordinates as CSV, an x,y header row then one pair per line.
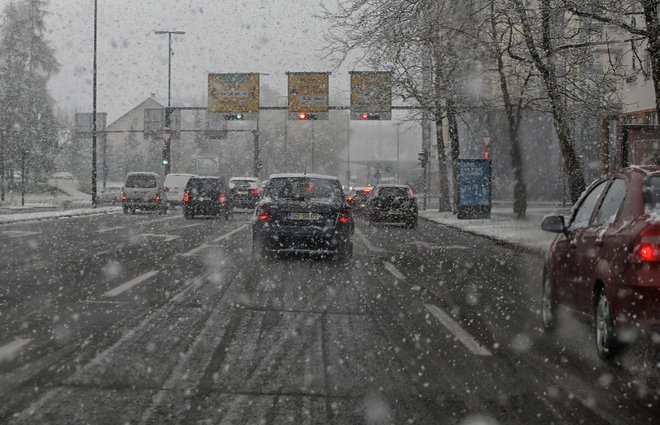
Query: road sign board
x,y
308,93
486,139
474,188
234,93
371,95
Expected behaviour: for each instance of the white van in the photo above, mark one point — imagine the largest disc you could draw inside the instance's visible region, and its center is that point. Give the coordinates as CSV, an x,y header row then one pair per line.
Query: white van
x,y
175,186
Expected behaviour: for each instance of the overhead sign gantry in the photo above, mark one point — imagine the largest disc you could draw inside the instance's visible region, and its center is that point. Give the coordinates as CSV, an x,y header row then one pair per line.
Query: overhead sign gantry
x,y
234,96
371,95
308,95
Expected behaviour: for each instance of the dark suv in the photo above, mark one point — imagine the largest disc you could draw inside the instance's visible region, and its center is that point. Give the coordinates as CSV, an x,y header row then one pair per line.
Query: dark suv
x,y
303,213
207,196
392,203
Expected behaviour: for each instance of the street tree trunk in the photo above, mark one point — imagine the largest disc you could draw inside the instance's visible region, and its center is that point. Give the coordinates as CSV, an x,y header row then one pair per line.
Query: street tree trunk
x,y
572,165
452,127
653,28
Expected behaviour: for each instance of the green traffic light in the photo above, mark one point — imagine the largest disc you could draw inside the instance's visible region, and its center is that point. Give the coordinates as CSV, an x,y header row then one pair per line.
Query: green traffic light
x,y
239,116
165,162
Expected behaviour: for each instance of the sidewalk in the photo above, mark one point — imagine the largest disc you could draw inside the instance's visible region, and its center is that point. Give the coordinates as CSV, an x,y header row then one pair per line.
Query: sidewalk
x,y
502,226
16,217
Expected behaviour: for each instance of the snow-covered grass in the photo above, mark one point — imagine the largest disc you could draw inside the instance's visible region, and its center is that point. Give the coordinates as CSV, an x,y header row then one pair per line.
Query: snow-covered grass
x,y
44,215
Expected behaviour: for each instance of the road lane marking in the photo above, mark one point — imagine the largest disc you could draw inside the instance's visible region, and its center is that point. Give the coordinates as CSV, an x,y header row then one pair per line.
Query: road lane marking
x,y
19,233
166,238
9,351
392,269
465,338
228,235
429,245
131,283
188,226
366,242
110,229
203,246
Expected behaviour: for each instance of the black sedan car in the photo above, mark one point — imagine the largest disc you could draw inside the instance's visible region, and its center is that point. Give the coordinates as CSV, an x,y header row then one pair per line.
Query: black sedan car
x,y
205,196
303,213
392,203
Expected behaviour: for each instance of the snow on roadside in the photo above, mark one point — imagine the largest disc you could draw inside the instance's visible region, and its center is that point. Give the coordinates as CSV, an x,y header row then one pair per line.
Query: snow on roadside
x,y
44,215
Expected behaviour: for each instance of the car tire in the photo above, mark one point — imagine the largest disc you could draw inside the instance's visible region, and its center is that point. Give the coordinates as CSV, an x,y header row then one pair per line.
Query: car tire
x,y
604,327
345,251
163,211
412,223
259,248
125,210
548,305
188,215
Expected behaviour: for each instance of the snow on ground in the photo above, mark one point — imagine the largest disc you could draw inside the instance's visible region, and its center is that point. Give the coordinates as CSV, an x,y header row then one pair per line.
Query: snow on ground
x,y
504,227
42,215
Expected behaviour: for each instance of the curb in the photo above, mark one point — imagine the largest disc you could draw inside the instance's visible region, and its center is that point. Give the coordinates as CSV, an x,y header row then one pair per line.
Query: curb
x,y
513,245
53,217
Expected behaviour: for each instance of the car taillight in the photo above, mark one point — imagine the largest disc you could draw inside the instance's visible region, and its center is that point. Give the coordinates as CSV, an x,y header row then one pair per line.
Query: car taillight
x,y
157,197
263,213
186,197
344,216
222,199
648,247
350,199
256,191
410,193
166,189
123,196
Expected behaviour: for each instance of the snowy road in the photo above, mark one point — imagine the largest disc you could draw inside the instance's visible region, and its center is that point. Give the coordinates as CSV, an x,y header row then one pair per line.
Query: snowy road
x,y
150,319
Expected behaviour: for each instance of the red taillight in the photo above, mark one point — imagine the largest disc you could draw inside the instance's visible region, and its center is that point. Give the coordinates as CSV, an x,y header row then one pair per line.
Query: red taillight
x,y
350,199
222,199
410,193
123,196
344,216
157,197
263,213
256,191
186,197
648,247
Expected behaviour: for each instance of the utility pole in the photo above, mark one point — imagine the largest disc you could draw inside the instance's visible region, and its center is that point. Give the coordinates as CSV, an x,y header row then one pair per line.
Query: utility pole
x,y
398,164
94,113
348,151
257,161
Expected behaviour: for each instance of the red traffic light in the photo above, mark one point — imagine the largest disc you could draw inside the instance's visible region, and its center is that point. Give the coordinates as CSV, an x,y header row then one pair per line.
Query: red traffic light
x,y
370,116
365,116
303,116
486,155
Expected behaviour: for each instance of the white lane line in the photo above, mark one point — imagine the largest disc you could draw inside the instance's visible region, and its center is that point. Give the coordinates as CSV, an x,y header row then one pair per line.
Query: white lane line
x,y
464,337
131,283
9,351
392,269
110,229
429,245
228,235
19,233
366,242
188,226
194,251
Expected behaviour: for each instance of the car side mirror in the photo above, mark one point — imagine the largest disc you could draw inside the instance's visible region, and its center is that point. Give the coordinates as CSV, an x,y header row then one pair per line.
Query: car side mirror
x,y
554,223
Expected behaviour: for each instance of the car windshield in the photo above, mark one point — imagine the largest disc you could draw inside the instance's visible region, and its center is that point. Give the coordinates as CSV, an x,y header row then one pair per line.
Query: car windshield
x,y
391,192
204,186
652,194
245,184
142,181
304,187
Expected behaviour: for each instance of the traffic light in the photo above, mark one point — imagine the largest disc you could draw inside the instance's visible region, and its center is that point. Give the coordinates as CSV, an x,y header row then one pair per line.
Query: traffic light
x,y
307,116
235,116
486,155
370,116
166,155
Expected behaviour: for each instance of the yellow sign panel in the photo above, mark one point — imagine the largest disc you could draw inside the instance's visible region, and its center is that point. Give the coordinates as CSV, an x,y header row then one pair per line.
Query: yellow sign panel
x,y
230,93
371,95
308,92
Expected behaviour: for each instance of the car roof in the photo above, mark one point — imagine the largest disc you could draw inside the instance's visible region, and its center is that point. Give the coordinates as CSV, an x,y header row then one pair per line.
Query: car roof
x,y
134,173
405,186
245,178
206,177
643,169
294,175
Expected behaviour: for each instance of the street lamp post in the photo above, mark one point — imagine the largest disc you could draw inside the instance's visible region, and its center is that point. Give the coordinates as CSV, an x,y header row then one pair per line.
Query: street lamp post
x,y
94,113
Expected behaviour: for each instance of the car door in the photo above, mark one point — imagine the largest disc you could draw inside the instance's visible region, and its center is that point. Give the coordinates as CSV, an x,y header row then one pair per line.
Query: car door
x,y
591,245
566,261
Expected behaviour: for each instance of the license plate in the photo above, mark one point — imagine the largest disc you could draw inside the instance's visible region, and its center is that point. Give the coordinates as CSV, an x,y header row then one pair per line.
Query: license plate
x,y
304,216
242,193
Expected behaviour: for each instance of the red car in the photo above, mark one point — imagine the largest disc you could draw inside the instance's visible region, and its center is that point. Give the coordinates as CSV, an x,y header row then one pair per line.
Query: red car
x,y
604,266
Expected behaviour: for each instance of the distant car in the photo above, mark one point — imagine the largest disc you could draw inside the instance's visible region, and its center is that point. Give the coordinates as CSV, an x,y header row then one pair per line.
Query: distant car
x,y
143,191
110,195
357,198
392,203
247,191
303,213
604,265
204,196
175,185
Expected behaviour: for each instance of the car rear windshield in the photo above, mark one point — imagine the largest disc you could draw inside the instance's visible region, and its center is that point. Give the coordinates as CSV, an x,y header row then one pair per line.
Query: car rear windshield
x,y
245,184
141,181
652,194
204,186
304,187
391,192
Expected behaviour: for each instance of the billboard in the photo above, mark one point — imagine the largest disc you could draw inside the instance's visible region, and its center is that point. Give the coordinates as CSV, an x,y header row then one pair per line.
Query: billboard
x,y
308,95
234,96
371,95
474,188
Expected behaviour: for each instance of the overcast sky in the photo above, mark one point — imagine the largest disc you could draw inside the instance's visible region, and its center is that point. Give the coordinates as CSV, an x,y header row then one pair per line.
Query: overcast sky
x,y
268,36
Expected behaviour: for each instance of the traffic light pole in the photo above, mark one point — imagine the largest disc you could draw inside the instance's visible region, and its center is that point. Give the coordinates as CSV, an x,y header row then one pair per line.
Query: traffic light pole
x,y
257,162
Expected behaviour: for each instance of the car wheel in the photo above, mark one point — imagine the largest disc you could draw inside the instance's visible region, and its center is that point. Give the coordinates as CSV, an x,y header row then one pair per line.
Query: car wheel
x,y
604,327
258,247
163,211
228,215
548,308
125,210
187,214
412,223
345,251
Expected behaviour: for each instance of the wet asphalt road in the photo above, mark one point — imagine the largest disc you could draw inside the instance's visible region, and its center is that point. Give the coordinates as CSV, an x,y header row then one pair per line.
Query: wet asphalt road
x,y
148,319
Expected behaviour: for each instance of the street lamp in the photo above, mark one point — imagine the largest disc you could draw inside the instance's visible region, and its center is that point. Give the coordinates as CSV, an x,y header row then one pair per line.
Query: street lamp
x,y
169,62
